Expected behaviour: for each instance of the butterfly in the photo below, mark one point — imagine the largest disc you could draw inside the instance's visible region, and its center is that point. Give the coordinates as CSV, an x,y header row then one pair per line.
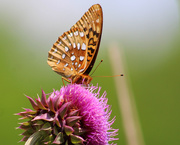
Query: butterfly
x,y
74,53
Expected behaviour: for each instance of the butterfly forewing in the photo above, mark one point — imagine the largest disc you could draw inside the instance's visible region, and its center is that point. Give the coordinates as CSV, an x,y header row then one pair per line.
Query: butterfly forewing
x,y
75,51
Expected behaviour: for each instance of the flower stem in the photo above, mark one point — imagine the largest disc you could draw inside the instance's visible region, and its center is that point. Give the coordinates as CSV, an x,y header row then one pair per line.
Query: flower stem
x,y
126,100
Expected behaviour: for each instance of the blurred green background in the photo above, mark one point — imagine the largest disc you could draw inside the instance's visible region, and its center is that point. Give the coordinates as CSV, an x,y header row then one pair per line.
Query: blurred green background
x,y
148,32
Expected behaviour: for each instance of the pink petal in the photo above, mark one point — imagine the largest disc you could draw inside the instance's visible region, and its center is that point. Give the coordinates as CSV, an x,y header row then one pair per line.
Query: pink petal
x,y
44,116
33,103
43,99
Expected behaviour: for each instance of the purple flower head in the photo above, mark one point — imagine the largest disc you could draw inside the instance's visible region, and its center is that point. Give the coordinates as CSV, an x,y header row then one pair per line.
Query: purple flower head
x,y
75,115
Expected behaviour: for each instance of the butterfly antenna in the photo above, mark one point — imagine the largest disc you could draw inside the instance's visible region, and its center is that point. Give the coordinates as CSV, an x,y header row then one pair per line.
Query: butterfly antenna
x,y
110,76
96,67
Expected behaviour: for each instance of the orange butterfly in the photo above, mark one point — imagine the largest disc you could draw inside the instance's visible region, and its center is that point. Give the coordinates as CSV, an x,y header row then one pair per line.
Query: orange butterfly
x,y
74,53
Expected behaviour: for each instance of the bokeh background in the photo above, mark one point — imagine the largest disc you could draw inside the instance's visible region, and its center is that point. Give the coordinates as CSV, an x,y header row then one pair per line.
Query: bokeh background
x,y
147,31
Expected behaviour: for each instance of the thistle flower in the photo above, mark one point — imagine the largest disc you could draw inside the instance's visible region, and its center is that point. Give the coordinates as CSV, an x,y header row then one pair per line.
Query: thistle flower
x,y
75,115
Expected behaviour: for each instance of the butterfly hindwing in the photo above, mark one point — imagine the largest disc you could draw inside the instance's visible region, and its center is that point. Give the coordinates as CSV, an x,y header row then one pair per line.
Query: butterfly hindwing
x,y
68,55
59,58
79,50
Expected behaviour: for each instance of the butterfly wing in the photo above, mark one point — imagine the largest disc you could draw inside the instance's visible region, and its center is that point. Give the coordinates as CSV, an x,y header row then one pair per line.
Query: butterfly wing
x,y
59,58
68,53
75,51
91,23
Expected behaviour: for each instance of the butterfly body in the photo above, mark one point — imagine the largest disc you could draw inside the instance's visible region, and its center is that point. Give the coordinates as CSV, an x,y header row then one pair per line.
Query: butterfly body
x,y
81,78
74,53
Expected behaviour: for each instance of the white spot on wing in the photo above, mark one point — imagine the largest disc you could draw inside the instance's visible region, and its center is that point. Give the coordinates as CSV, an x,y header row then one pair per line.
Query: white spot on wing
x,y
65,38
63,55
66,49
81,58
76,63
66,65
55,50
70,34
52,57
63,69
81,34
58,62
81,70
97,20
79,65
78,46
83,46
73,58
69,44
76,33
71,69
74,45
59,43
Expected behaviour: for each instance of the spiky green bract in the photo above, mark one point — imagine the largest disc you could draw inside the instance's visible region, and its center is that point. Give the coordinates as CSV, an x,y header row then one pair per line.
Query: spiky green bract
x,y
75,115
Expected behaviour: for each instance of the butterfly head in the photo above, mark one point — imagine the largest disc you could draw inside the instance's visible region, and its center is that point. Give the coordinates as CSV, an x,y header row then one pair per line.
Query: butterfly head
x,y
81,79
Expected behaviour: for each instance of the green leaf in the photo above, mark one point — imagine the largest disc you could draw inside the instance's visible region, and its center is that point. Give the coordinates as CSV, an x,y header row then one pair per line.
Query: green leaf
x,y
59,138
46,129
62,111
74,113
28,132
68,130
34,138
46,126
72,120
55,130
48,139
39,122
40,105
76,139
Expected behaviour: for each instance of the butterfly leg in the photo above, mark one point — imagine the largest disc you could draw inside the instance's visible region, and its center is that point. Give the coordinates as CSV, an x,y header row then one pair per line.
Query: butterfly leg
x,y
63,78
